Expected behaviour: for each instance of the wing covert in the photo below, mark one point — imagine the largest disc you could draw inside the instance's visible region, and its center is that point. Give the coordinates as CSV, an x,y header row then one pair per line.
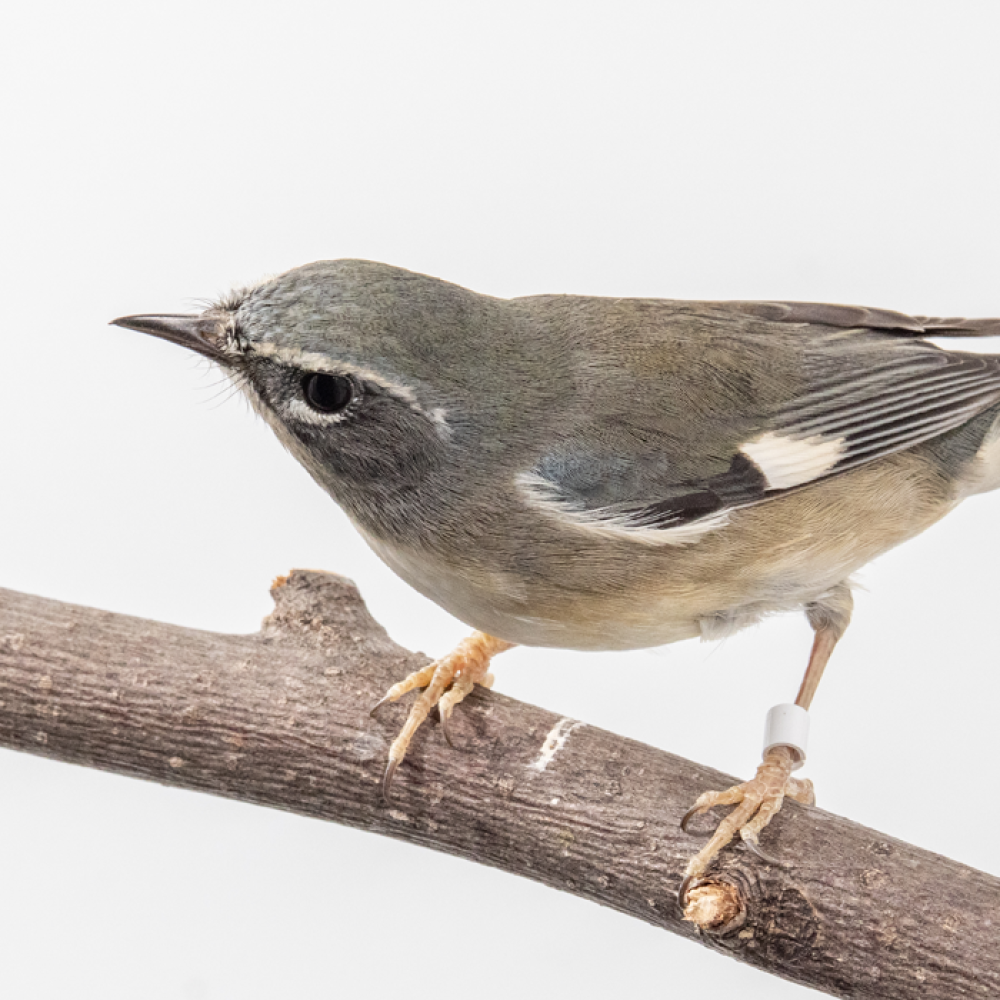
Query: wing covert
x,y
864,396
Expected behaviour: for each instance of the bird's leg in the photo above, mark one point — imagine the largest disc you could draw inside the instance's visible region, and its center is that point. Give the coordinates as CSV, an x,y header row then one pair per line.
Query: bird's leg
x,y
823,642
465,666
760,798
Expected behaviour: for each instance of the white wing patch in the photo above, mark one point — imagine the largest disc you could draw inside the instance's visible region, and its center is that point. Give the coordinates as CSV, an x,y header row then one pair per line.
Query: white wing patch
x,y
604,523
788,461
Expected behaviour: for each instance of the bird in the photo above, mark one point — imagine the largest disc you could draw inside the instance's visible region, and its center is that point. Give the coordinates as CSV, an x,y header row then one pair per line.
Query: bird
x,y
590,473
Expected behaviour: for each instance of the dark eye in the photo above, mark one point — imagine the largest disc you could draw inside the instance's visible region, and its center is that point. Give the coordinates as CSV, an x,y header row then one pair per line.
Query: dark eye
x,y
327,393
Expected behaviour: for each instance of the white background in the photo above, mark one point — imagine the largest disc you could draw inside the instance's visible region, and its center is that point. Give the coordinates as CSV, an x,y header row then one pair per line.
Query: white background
x,y
153,155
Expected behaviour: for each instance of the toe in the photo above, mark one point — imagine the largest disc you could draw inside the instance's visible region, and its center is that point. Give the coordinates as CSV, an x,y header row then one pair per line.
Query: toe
x,y
465,666
757,801
709,800
418,679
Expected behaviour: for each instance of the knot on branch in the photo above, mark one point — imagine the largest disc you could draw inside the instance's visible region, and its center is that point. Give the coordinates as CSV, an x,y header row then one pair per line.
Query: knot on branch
x,y
715,907
764,921
282,719
320,609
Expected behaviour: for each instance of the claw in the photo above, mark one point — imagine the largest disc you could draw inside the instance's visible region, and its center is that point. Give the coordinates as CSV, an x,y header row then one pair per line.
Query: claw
x,y
462,669
754,848
390,770
688,816
378,705
445,727
688,883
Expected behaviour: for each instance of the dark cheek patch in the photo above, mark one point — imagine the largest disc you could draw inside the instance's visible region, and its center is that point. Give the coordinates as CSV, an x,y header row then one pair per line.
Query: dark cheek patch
x,y
384,445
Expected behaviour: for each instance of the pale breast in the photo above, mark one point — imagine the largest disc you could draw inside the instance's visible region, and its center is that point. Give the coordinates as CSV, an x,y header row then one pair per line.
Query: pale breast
x,y
605,593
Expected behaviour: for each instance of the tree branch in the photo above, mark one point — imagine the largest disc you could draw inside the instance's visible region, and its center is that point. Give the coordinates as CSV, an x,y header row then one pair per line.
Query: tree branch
x,y
281,719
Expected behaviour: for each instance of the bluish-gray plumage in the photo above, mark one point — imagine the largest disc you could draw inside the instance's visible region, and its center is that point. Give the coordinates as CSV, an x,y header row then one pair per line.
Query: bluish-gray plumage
x,y
612,473
526,462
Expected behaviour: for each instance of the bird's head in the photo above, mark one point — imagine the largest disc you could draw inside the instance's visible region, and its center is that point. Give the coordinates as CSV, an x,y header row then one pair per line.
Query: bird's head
x,y
372,376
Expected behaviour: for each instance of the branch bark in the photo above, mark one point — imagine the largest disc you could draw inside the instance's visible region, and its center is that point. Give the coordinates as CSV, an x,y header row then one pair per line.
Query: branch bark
x,y
280,718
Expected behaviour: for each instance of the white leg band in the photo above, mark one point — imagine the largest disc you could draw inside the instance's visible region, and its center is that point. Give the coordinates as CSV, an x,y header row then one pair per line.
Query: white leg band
x,y
788,726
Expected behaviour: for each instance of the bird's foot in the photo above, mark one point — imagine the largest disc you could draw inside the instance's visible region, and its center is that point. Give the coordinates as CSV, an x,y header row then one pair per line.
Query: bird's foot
x,y
756,802
446,682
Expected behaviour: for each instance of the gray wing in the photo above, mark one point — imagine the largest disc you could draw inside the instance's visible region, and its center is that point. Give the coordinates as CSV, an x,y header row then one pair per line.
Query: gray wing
x,y
869,387
860,317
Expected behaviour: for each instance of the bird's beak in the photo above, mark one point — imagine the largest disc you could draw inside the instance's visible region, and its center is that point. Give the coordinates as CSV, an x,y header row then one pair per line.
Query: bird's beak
x,y
201,332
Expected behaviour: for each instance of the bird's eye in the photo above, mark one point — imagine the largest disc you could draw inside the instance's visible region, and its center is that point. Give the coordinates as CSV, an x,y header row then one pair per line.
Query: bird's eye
x,y
327,393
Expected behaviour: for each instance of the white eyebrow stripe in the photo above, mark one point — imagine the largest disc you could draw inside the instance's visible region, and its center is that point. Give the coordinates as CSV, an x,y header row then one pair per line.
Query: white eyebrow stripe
x,y
313,361
785,461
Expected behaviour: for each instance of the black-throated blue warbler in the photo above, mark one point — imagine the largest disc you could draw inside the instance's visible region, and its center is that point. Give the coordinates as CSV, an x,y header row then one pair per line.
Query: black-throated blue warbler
x,y
597,473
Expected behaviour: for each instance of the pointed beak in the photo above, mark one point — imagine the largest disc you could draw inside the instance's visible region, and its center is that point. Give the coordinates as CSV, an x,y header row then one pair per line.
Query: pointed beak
x,y
199,332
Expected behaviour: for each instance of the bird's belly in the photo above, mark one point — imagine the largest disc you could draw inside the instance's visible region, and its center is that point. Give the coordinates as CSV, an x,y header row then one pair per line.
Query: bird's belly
x,y
638,612
578,592
503,604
